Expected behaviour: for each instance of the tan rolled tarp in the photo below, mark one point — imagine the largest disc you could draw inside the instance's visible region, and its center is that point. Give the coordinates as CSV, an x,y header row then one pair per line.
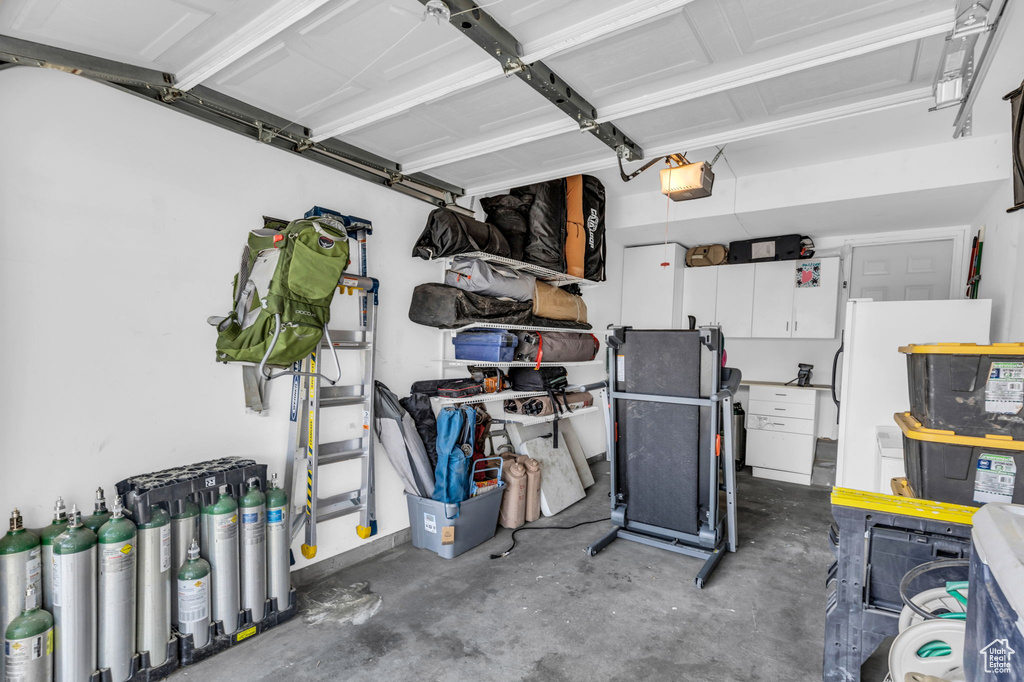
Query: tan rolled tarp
x,y
575,230
558,304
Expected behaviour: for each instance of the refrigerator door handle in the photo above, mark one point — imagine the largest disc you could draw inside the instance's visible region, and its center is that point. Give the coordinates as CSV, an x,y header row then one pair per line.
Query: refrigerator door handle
x,y
835,372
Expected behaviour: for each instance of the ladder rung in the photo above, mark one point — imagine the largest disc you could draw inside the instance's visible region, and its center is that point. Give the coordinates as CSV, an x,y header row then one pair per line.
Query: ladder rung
x,y
348,346
345,456
347,336
335,396
338,505
340,402
341,451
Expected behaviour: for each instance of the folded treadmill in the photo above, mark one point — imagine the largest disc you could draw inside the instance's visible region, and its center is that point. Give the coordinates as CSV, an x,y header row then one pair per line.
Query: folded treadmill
x,y
673,479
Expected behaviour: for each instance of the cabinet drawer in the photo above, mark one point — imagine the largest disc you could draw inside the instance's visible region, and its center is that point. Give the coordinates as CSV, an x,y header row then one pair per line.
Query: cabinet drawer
x,y
777,409
782,451
783,394
760,422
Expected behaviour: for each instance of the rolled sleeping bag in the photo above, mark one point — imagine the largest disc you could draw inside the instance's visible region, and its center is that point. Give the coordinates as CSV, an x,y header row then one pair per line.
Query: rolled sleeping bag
x,y
490,279
556,304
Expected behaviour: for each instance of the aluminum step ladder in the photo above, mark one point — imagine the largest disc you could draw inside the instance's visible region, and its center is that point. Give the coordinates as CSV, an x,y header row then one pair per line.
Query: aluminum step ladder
x,y
313,391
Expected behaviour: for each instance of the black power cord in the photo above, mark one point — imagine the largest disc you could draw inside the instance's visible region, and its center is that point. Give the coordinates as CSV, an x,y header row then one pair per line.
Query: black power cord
x,y
517,530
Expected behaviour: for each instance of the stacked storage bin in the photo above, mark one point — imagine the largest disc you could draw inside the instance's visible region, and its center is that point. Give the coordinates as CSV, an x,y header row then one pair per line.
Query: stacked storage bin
x,y
963,439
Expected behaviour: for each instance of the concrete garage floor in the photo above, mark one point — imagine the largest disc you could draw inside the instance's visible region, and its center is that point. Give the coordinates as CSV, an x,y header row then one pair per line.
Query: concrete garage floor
x,y
547,612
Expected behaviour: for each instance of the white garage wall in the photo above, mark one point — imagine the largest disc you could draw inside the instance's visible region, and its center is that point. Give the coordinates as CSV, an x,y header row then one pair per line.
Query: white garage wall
x,y
122,224
1001,265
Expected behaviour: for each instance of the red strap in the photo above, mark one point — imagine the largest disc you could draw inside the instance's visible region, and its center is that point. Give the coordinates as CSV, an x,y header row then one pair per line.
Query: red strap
x,y
597,345
540,349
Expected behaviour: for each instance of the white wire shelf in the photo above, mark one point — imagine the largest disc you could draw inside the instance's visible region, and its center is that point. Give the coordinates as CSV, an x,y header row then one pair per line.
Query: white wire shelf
x,y
525,420
522,327
489,397
520,363
530,269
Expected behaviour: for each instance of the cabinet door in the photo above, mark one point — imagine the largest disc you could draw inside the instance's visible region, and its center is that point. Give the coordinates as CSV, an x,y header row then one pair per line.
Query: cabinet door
x,y
791,452
651,296
735,305
773,300
700,290
816,302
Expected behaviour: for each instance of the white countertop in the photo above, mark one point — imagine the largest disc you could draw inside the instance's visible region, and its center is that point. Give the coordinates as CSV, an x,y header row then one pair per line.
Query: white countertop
x,y
782,384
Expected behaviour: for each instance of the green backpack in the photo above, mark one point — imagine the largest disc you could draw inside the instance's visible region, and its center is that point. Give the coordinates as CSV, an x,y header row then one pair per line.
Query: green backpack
x,y
283,291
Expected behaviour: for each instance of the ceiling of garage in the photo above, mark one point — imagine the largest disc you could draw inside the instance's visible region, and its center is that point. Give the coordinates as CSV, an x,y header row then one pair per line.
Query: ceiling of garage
x,y
671,74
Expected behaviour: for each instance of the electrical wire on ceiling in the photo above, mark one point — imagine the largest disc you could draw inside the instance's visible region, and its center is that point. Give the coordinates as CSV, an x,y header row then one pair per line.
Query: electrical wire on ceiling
x,y
735,187
466,11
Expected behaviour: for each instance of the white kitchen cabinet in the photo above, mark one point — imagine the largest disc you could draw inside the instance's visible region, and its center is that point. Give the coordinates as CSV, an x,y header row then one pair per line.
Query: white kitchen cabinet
x,y
774,284
784,310
700,293
814,308
735,305
763,300
652,293
781,427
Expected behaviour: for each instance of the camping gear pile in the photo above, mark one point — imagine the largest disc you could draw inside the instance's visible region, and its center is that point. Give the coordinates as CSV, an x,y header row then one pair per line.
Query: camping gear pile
x,y
556,225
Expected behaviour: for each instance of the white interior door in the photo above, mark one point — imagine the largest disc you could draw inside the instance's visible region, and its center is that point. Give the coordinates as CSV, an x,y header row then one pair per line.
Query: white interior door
x,y
904,271
735,306
700,291
773,300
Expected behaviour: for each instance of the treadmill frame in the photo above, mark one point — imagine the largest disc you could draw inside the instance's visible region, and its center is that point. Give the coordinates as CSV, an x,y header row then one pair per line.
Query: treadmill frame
x,y
718,530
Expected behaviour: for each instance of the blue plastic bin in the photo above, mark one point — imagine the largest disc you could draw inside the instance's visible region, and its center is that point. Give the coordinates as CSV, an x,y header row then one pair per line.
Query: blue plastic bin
x,y
994,645
485,345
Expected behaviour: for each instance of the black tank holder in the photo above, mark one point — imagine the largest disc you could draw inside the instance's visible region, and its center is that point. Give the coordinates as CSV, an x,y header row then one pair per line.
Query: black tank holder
x,y
247,629
141,670
199,482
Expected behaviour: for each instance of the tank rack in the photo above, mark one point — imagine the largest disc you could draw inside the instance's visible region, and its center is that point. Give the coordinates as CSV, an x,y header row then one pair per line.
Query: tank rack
x,y
199,481
141,670
247,628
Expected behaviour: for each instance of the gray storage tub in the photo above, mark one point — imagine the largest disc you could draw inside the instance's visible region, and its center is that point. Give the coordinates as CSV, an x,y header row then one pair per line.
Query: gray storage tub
x,y
476,522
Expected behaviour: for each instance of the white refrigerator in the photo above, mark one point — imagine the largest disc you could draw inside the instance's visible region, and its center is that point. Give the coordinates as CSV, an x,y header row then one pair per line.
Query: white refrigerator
x,y
873,383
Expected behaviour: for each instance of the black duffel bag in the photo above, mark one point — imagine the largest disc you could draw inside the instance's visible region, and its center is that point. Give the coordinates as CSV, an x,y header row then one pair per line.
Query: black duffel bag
x,y
448,233
510,214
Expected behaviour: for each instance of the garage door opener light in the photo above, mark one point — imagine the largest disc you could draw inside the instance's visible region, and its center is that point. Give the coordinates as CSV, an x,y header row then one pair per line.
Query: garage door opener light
x,y
682,180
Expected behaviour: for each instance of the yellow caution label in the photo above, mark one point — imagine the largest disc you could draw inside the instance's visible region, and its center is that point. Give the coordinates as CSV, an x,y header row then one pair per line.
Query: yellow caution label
x,y
126,550
49,642
17,646
245,634
234,519
199,583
